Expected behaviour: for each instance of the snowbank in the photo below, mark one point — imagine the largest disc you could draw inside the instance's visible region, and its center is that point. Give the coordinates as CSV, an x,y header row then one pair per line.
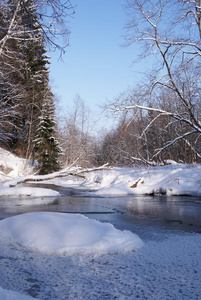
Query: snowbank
x,y
26,191
12,166
67,234
170,180
10,295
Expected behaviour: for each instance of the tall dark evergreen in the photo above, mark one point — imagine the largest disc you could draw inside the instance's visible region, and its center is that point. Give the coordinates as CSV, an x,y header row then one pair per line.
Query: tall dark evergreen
x,y
11,61
24,84
47,146
33,78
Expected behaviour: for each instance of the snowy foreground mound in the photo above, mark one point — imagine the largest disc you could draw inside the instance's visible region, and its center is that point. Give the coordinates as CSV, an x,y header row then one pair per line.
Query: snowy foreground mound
x,y
67,234
10,295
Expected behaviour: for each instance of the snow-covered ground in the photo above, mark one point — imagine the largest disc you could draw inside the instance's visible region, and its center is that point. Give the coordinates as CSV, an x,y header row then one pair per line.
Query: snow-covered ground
x,y
67,234
12,166
166,267
52,256
10,295
172,179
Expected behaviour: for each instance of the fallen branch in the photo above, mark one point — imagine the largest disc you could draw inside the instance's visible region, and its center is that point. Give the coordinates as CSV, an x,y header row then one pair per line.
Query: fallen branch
x,y
58,175
103,167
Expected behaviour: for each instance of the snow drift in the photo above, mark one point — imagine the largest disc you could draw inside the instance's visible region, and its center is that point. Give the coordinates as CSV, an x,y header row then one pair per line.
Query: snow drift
x,y
67,234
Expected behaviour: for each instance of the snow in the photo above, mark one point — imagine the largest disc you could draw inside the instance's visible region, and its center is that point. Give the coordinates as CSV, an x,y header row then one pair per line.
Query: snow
x,y
26,191
9,295
67,233
12,166
167,267
11,169
69,256
171,180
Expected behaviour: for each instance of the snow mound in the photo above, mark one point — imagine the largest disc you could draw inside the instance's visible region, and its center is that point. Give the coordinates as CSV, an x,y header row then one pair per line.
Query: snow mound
x,y
67,234
10,295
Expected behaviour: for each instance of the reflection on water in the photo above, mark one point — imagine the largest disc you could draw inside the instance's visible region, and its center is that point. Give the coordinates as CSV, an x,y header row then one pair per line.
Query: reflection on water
x,y
176,212
186,209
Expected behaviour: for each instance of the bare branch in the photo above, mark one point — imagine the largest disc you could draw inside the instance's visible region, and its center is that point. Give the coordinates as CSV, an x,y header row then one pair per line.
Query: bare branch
x,y
173,142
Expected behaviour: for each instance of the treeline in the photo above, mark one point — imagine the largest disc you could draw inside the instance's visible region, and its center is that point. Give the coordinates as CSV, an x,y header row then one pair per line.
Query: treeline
x,y
161,116
159,120
130,144
27,105
138,138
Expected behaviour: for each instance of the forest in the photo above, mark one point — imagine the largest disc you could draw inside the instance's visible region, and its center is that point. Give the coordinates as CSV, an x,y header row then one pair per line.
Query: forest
x,y
157,120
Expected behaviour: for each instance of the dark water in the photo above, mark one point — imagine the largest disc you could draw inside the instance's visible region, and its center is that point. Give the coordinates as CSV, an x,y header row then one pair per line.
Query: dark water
x,y
175,213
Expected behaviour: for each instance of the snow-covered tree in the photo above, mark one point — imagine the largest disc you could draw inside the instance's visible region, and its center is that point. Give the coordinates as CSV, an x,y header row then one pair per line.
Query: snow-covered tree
x,y
32,74
26,28
47,146
169,32
11,92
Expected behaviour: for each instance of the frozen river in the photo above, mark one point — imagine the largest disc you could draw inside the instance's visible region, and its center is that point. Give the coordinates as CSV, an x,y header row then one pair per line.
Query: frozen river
x,y
176,213
167,267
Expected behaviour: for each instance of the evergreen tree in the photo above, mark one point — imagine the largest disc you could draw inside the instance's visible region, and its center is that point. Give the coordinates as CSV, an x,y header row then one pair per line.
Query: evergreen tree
x,y
20,46
11,61
30,43
24,78
47,147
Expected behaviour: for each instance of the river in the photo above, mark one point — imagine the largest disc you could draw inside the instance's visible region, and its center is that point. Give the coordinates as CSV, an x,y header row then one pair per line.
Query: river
x,y
125,212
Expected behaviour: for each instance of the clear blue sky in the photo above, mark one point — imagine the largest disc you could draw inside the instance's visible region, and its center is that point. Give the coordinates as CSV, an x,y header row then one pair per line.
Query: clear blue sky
x,y
96,67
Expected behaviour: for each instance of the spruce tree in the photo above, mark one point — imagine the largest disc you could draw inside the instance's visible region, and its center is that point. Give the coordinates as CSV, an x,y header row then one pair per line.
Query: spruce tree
x,y
11,61
25,74
34,76
47,147
24,79
21,74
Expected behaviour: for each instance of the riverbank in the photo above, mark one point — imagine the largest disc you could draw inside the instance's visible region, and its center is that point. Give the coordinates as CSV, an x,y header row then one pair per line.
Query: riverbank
x,y
171,180
168,266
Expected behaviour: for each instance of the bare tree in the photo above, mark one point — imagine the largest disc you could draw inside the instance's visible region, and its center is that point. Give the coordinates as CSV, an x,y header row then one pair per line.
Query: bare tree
x,y
76,139
170,32
52,16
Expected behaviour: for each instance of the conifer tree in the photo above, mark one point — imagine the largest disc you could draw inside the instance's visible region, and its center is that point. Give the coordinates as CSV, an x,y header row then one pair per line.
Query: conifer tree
x,y
11,60
47,147
26,27
30,44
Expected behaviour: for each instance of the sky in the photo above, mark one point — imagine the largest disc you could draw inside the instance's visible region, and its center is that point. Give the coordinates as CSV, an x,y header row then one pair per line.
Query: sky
x,y
95,66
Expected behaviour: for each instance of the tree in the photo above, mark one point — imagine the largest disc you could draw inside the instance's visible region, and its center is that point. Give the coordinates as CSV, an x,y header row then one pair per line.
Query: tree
x,y
170,32
76,136
10,66
30,75
26,28
47,147
127,144
51,16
